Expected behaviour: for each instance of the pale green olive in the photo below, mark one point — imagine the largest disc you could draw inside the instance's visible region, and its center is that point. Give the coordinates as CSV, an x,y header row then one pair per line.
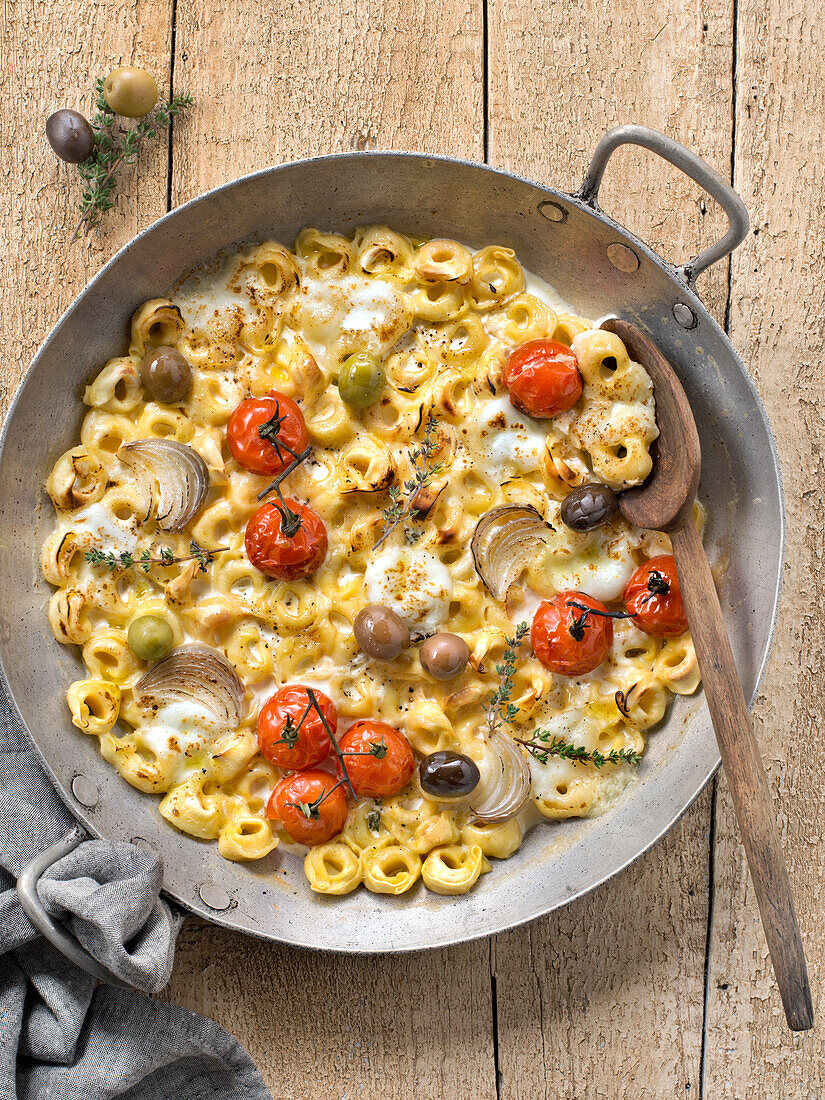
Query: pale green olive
x,y
361,380
130,92
150,637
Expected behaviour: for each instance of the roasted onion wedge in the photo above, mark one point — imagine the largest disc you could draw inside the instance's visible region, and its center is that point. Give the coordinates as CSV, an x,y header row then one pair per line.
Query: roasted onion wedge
x,y
174,475
195,673
504,542
505,780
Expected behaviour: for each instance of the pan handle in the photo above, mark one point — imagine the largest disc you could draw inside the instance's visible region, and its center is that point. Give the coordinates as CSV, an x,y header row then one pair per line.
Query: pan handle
x,y
692,166
53,931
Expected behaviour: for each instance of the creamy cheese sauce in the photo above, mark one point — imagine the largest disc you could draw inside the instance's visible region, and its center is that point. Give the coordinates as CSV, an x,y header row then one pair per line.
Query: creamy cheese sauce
x,y
503,440
107,532
181,727
415,584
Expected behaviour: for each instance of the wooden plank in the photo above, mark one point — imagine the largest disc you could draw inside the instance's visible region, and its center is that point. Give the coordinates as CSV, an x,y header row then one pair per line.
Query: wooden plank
x,y
557,87
776,321
331,1026
45,66
275,82
280,81
606,998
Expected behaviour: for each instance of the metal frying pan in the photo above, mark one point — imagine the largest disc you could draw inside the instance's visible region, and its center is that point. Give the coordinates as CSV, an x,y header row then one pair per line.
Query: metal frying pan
x,y
600,268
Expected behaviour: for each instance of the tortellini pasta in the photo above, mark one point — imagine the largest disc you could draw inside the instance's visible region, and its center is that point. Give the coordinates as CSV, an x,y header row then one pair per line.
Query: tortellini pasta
x,y
443,318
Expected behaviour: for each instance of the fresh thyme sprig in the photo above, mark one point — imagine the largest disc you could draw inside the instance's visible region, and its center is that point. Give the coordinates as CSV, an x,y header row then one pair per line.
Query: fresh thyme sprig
x,y
336,748
500,708
543,745
378,749
115,147
164,556
402,505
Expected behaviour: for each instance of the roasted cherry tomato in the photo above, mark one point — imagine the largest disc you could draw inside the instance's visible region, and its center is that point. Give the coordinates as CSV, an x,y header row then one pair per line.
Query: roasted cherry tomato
x,y
284,431
568,639
309,805
290,731
654,598
286,540
383,762
543,378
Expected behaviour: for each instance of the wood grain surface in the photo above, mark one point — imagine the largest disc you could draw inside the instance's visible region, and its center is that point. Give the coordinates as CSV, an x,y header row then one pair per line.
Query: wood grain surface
x,y
658,985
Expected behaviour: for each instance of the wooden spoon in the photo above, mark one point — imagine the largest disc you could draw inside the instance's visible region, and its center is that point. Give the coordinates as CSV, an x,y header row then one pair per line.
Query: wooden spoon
x,y
665,503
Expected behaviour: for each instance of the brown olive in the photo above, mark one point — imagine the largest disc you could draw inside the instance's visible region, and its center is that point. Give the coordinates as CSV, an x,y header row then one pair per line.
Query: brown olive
x,y
589,506
70,135
130,92
447,776
166,374
444,656
380,632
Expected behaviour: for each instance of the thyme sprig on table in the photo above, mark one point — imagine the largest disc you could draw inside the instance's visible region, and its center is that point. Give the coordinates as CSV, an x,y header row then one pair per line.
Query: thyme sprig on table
x,y
163,556
402,502
500,709
542,745
114,147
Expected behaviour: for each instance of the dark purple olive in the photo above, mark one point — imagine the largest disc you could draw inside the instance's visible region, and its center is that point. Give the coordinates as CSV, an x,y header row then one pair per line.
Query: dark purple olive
x,y
589,506
166,374
444,656
448,776
381,633
70,135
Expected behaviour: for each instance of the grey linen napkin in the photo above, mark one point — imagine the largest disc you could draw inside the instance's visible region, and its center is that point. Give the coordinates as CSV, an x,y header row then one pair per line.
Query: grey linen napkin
x,y
61,1033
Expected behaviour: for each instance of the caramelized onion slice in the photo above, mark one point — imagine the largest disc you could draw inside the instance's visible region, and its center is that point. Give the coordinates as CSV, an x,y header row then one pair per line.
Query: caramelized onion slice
x,y
173,474
197,673
504,542
505,780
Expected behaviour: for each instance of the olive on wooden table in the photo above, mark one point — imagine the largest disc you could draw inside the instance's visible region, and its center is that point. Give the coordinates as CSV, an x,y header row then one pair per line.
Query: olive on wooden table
x,y
166,374
150,637
448,776
361,380
444,656
70,135
589,507
130,91
381,633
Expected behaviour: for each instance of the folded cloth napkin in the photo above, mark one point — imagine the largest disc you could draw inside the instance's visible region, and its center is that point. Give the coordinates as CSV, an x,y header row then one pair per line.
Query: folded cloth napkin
x,y
61,1033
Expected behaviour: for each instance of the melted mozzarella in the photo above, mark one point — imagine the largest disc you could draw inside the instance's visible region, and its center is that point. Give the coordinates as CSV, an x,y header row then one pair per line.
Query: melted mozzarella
x,y
600,571
502,440
415,584
336,314
180,729
98,521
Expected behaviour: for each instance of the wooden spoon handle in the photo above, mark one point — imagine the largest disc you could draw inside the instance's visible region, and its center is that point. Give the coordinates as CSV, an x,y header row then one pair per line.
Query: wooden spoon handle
x,y
746,776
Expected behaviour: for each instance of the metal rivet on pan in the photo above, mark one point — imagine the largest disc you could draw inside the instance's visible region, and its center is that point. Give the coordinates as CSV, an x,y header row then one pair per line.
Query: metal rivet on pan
x,y
684,315
552,211
85,792
622,257
214,896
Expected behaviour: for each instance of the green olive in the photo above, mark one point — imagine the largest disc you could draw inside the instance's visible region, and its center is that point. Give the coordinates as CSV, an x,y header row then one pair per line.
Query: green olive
x,y
150,637
361,380
130,92
166,374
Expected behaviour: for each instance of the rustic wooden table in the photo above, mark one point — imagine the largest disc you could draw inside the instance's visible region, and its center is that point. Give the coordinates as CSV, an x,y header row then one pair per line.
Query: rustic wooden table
x,y
658,985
